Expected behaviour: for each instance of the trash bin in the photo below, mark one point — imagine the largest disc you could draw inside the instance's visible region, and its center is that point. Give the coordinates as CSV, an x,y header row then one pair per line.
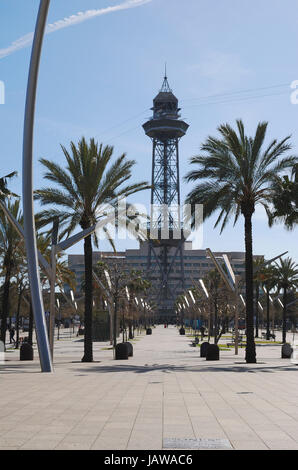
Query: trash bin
x,y
286,351
26,352
148,331
130,348
203,348
121,351
182,331
212,353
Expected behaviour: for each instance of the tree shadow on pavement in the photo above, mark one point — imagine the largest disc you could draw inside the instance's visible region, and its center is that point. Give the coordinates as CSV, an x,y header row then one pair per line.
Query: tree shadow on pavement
x,y
168,368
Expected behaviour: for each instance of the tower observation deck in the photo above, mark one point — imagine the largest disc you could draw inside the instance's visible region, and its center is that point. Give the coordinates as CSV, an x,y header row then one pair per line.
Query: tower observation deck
x,y
165,264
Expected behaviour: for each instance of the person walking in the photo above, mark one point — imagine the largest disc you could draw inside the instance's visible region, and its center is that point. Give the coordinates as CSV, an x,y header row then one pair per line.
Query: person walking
x,y
11,335
202,330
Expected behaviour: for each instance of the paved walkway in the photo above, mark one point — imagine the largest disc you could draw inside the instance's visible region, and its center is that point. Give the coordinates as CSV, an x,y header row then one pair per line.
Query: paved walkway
x,y
164,396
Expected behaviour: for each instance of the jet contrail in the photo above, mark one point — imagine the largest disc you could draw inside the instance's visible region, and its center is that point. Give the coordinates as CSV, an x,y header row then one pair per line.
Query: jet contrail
x,y
79,17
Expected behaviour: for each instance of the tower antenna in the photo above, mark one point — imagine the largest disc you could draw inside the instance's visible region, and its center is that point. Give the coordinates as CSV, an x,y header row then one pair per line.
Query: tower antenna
x,y
165,86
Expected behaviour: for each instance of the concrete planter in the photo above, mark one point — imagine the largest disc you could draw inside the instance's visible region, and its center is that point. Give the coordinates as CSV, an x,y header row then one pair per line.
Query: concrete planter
x,y
212,353
121,351
203,348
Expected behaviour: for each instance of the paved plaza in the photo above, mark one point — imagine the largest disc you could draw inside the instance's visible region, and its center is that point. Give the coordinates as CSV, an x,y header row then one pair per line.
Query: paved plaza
x,y
164,396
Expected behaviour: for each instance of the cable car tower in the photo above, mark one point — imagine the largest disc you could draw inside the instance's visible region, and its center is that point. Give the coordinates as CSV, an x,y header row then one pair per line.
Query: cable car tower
x,y
165,264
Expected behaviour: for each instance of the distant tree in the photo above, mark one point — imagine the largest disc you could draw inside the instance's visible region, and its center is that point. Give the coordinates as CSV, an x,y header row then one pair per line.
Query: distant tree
x,y
9,246
285,200
268,277
286,275
4,191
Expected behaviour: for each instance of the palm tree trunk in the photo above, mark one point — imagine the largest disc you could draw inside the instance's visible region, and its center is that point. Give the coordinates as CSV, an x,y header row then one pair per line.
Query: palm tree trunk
x,y
30,328
284,316
88,347
215,321
250,355
268,315
5,303
18,319
257,309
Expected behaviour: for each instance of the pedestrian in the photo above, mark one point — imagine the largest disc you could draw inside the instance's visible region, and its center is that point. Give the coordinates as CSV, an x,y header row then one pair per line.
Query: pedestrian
x,y
11,335
202,330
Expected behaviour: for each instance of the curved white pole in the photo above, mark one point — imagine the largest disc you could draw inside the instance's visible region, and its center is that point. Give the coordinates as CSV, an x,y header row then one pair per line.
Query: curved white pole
x,y
28,209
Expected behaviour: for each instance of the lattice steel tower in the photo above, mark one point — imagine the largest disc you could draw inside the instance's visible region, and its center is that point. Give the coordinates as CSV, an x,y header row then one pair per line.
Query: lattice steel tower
x,y
165,264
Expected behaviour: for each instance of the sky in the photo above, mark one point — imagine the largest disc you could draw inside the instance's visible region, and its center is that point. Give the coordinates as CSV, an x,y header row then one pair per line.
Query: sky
x,y
103,63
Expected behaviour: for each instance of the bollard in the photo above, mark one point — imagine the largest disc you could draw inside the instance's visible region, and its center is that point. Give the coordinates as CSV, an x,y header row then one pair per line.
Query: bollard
x,y
212,353
203,348
121,351
130,348
286,351
26,351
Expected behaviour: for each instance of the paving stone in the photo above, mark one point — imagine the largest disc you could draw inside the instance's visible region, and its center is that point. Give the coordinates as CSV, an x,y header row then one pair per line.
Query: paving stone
x,y
164,392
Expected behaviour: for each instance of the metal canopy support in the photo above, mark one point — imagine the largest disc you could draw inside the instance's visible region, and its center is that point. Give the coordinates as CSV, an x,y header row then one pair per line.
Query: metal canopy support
x,y
29,223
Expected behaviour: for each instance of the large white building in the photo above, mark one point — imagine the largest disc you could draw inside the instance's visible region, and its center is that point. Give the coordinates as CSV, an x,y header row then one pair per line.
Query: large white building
x,y
196,263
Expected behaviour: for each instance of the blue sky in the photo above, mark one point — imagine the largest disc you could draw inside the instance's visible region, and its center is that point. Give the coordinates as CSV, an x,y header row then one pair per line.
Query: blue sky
x,y
225,60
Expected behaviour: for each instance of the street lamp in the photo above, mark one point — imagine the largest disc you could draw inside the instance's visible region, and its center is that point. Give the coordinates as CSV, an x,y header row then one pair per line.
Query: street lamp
x,y
204,288
242,299
192,297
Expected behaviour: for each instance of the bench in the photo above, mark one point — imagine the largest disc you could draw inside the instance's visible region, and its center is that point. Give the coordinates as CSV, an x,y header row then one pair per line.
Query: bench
x,y
195,342
240,341
264,335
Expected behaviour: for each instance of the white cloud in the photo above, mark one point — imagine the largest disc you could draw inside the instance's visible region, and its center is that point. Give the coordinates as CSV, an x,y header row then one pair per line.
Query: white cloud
x,y
72,20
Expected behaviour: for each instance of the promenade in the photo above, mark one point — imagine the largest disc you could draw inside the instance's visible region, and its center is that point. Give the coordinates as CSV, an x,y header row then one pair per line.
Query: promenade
x,y
163,397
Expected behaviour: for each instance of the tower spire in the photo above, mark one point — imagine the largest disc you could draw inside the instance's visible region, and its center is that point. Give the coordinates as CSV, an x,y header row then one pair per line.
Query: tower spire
x,y
165,86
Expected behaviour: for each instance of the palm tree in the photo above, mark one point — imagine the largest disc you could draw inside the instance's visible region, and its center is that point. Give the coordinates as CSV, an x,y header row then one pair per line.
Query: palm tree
x,y
4,191
137,285
287,279
257,265
285,200
237,174
89,183
9,244
267,275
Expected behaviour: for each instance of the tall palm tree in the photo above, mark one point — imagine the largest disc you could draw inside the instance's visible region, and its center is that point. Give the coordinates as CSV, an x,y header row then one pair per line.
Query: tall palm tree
x,y
285,200
234,174
287,279
90,182
9,245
